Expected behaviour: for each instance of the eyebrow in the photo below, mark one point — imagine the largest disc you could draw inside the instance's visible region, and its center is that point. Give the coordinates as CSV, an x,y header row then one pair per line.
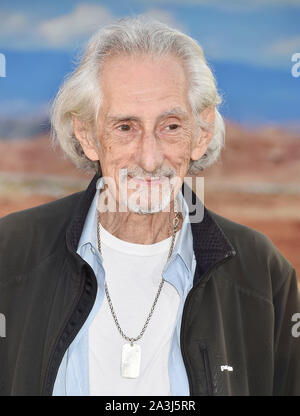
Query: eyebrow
x,y
177,111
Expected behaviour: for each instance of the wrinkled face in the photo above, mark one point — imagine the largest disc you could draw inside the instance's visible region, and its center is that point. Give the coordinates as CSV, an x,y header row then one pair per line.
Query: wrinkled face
x,y
145,126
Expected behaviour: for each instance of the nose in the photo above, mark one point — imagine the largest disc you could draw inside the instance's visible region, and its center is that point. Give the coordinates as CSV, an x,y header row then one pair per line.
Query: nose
x,y
149,154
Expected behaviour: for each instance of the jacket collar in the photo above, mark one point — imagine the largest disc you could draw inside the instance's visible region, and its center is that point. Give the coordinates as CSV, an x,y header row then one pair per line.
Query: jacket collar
x,y
210,244
183,246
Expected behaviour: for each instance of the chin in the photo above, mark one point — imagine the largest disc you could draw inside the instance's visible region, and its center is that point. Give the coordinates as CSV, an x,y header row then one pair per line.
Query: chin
x,y
144,208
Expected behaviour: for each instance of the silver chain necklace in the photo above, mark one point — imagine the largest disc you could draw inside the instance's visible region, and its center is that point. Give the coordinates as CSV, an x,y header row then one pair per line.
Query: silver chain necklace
x,y
131,353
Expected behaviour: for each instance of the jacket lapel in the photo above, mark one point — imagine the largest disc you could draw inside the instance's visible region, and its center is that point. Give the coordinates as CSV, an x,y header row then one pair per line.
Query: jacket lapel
x,y
209,241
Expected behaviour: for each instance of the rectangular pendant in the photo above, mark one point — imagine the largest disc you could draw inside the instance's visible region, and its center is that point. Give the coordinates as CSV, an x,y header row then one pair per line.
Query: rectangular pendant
x,y
131,361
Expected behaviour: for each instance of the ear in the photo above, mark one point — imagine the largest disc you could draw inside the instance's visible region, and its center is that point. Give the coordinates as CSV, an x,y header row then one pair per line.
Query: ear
x,y
204,137
84,136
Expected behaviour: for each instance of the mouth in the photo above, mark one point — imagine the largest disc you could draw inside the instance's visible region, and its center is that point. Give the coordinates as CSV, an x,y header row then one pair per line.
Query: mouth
x,y
148,181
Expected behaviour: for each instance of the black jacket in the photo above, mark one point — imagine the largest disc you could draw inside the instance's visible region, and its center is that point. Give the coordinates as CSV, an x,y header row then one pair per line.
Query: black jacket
x,y
238,313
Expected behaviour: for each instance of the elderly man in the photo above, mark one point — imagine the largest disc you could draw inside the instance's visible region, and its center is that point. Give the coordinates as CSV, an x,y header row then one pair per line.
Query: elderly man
x,y
118,290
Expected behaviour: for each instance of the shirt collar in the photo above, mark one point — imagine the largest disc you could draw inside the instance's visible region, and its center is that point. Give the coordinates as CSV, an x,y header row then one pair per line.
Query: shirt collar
x,y
210,243
183,246
89,232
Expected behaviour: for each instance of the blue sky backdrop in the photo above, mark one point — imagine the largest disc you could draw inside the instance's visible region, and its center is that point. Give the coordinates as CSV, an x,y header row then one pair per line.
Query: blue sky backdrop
x,y
249,45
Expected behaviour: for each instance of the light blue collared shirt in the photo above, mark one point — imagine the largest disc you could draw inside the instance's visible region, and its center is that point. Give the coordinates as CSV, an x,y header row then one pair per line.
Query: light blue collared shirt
x,y
73,374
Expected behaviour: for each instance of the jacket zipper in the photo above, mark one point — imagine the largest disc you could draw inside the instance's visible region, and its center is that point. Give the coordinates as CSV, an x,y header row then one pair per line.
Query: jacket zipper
x,y
45,390
207,370
184,314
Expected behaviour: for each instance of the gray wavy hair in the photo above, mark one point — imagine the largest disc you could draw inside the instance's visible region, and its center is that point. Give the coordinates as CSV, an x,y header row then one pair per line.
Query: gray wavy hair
x,y
81,96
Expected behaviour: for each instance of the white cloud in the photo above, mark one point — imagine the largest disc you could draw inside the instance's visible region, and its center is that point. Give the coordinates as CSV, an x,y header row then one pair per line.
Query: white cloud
x,y
25,31
85,19
81,22
13,23
286,46
165,17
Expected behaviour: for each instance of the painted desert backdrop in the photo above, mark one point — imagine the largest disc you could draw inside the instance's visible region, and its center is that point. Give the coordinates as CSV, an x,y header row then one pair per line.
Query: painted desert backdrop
x,y
253,50
255,182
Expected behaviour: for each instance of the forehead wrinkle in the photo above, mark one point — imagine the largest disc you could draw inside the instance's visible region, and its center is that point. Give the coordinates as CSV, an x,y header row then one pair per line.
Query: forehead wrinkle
x,y
176,111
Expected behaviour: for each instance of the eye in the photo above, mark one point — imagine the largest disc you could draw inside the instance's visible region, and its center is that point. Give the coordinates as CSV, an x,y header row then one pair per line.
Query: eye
x,y
173,126
124,127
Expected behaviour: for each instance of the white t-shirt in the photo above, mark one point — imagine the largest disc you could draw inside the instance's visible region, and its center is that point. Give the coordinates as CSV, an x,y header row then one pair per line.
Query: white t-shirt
x,y
133,273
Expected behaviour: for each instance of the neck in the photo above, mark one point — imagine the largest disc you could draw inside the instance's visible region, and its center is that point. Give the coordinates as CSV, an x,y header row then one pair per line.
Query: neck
x,y
140,228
